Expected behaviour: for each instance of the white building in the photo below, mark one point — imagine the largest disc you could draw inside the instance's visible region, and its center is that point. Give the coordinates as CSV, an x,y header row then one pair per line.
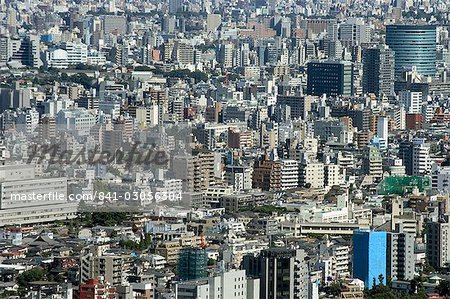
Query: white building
x,y
412,101
76,53
440,178
78,119
230,284
26,199
289,174
383,131
333,175
57,58
312,174
421,161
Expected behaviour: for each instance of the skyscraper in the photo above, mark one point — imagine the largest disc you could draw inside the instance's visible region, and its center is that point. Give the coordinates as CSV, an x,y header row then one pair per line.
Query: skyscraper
x,y
414,45
332,78
378,70
369,256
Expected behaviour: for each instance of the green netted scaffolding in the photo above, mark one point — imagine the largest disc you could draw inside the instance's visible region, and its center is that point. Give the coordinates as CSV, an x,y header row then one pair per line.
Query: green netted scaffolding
x,y
192,263
401,185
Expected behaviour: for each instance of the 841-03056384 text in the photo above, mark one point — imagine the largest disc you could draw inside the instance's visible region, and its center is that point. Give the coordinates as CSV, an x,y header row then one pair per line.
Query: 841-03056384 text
x,y
137,196
148,196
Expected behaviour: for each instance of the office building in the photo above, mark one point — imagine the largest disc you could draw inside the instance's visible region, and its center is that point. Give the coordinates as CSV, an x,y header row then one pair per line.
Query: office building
x,y
412,101
414,45
226,55
222,284
114,24
354,32
284,274
300,106
27,199
333,78
378,70
420,157
438,243
175,6
369,256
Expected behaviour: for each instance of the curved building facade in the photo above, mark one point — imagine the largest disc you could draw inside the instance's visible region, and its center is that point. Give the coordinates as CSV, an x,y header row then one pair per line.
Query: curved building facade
x,y
414,45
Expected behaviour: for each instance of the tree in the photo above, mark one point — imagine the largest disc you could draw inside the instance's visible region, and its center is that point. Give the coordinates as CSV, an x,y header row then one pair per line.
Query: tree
x,y
443,288
26,277
381,279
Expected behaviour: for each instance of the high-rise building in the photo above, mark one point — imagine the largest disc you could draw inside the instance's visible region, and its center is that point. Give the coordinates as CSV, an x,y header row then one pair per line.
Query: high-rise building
x,y
192,263
224,284
369,256
412,101
332,78
93,288
414,45
175,6
383,131
300,106
378,70
114,24
372,162
5,49
438,243
184,53
400,254
421,162
27,52
311,174
354,32
226,55
284,273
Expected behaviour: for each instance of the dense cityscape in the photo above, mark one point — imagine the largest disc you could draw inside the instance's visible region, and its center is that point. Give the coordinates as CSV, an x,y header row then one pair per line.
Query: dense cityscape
x,y
224,149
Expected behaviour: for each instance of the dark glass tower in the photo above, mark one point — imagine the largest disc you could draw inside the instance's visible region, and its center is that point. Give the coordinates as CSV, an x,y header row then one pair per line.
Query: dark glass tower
x,y
332,78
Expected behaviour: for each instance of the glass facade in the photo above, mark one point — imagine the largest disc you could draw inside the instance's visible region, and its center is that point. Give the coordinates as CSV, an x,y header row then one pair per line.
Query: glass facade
x,y
332,78
414,45
369,256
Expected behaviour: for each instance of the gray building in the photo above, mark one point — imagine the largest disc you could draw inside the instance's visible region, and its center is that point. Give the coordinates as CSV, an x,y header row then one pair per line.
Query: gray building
x,y
326,129
400,255
378,70
299,105
114,24
284,274
438,243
